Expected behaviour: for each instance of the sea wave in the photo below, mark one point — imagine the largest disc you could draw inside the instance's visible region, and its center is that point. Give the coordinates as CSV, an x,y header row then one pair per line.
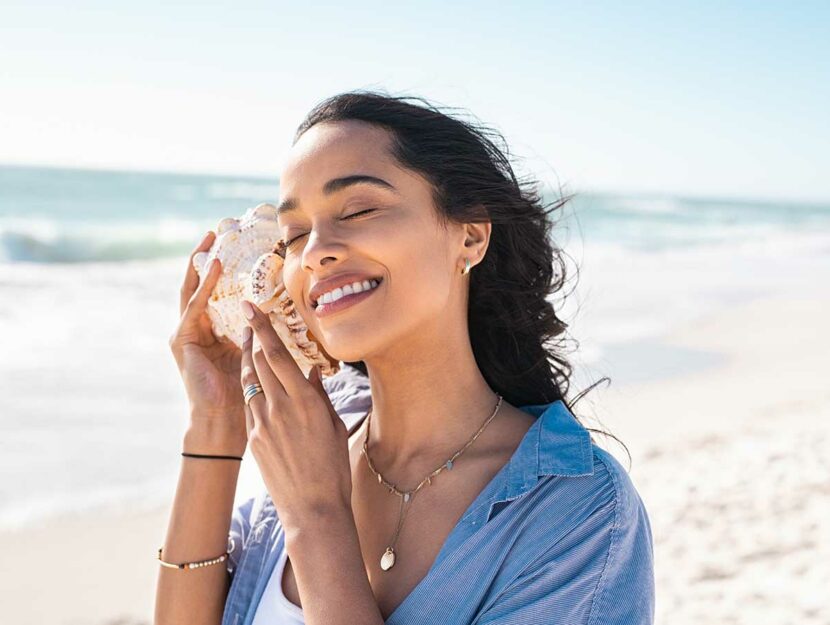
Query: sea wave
x,y
42,240
662,228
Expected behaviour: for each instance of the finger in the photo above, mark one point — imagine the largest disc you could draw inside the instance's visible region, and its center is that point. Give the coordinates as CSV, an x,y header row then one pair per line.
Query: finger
x,y
264,372
249,421
191,277
198,301
249,415
316,381
257,406
259,372
279,359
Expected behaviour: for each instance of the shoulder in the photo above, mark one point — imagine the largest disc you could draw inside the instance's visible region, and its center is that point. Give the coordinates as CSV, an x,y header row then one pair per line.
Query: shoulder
x,y
611,476
625,588
613,535
604,503
583,518
597,486
584,548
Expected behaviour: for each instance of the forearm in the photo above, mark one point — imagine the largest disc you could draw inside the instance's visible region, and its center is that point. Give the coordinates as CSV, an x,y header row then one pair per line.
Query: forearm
x,y
330,573
198,530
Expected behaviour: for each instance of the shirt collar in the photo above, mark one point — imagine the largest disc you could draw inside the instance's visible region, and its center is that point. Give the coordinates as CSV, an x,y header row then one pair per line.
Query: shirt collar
x,y
556,444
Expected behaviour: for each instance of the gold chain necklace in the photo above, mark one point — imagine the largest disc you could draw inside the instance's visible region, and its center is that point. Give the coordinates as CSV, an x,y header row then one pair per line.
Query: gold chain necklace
x,y
387,560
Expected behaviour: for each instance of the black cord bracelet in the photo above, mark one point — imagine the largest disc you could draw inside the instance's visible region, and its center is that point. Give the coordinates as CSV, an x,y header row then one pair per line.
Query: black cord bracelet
x,y
209,456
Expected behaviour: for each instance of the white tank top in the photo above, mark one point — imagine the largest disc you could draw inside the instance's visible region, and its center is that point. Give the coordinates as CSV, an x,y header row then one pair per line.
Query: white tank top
x,y
274,608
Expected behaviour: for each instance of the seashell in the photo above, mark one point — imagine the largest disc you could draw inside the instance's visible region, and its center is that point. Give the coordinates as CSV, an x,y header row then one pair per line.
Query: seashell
x,y
387,560
252,271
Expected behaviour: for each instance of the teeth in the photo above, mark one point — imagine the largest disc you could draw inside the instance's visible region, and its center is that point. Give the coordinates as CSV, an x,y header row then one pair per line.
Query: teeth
x,y
349,289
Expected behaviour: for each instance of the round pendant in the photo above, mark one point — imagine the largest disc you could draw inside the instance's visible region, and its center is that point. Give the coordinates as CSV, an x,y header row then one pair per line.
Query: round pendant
x,y
387,561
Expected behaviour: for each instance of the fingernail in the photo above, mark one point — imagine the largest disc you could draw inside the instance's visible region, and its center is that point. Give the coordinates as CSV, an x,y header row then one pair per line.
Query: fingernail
x,y
246,334
247,309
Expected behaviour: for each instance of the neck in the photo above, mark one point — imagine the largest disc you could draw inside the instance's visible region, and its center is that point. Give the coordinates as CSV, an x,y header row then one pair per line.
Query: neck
x,y
426,405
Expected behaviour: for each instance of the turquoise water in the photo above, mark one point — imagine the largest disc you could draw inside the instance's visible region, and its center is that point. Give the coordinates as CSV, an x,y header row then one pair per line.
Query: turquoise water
x,y
64,215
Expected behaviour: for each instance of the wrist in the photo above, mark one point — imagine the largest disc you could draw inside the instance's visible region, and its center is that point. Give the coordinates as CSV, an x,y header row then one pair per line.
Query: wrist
x,y
325,521
205,437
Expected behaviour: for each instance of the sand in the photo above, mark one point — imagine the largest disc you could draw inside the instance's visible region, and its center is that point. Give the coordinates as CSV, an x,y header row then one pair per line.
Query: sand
x,y
732,461
733,464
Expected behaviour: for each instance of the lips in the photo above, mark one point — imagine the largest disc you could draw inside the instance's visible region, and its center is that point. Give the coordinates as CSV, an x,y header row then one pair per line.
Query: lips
x,y
347,301
328,289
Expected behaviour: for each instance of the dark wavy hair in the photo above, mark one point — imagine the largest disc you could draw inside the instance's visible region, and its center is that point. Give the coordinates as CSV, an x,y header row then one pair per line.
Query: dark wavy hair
x,y
517,338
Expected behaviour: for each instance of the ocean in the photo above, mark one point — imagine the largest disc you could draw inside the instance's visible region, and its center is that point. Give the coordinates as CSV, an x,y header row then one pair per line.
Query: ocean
x,y
92,410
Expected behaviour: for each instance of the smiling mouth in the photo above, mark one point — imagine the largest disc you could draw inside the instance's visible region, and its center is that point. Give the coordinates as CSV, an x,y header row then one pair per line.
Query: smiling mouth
x,y
315,304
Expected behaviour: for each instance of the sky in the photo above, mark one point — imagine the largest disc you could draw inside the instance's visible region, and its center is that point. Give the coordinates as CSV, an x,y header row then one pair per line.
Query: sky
x,y
725,99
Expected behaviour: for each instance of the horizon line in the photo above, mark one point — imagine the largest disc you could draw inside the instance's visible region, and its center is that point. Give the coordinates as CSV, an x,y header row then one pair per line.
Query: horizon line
x,y
596,191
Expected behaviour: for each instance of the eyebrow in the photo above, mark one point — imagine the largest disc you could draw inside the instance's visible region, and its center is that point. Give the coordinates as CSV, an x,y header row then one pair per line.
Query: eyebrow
x,y
334,185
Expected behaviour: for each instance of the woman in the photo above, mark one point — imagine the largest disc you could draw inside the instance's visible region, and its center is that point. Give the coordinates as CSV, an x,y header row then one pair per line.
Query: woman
x,y
469,493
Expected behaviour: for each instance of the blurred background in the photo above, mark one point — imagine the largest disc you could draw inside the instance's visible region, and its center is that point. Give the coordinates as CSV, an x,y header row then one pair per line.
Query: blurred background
x,y
693,136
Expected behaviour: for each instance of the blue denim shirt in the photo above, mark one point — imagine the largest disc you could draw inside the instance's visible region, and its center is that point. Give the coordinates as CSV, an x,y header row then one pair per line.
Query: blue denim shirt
x,y
559,535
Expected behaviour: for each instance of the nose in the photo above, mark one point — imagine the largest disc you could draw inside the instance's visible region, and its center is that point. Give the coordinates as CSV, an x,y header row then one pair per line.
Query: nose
x,y
322,248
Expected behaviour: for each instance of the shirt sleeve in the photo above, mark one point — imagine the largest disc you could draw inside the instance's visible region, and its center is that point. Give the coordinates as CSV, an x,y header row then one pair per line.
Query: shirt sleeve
x,y
601,574
241,522
625,593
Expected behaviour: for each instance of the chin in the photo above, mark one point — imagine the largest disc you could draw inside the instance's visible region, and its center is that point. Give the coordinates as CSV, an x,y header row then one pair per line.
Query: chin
x,y
347,354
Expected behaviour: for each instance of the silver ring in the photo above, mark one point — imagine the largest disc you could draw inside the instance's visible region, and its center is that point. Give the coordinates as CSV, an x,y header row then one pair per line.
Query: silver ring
x,y
250,390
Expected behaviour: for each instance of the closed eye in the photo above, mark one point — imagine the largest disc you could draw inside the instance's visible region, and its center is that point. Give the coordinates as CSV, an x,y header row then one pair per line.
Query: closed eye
x,y
368,210
285,245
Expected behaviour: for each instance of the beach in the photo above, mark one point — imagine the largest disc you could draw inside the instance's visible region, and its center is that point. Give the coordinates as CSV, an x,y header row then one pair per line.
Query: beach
x,y
709,318
734,467
733,464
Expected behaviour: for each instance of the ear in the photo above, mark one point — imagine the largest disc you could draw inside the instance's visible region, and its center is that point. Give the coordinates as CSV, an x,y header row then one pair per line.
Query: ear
x,y
476,240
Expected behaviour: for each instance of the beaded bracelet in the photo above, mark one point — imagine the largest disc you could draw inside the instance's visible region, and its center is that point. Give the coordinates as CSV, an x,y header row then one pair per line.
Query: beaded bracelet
x,y
192,565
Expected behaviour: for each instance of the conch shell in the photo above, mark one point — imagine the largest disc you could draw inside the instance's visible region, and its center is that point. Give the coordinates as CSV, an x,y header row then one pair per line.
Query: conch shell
x,y
251,270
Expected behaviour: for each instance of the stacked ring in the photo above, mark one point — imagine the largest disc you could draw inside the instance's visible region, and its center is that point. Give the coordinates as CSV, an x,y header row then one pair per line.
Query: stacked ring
x,y
249,391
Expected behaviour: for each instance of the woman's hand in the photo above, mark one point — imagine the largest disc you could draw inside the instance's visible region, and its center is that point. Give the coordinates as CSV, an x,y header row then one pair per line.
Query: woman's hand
x,y
297,438
209,368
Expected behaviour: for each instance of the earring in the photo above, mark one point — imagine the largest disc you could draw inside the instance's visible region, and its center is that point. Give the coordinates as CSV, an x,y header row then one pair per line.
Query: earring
x,y
466,269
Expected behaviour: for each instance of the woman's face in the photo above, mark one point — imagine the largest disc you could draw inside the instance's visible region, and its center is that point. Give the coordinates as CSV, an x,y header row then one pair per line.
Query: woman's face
x,y
398,241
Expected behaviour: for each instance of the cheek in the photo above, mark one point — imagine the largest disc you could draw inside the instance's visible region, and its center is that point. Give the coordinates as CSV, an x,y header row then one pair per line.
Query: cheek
x,y
292,280
419,284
